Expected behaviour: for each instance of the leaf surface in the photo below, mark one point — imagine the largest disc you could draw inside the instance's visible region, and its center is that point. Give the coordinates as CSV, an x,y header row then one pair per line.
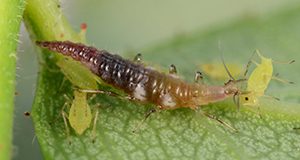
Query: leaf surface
x,y
183,133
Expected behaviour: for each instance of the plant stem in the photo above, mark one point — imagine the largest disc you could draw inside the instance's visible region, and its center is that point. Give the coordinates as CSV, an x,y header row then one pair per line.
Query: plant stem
x,y
45,21
11,16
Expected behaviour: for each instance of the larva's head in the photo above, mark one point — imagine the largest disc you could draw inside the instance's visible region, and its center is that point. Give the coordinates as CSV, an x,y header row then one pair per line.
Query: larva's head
x,y
210,94
233,88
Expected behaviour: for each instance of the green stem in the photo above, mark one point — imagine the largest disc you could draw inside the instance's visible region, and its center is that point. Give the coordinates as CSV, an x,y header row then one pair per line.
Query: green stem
x,y
11,16
45,21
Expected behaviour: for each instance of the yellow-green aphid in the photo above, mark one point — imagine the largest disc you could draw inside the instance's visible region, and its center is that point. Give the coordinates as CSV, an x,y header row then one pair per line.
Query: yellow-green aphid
x,y
258,81
80,115
71,68
217,71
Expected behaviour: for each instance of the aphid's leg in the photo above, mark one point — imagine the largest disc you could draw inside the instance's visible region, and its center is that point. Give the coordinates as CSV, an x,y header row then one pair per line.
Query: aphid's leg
x,y
218,120
283,62
236,100
65,117
254,62
259,112
172,69
147,115
271,97
95,123
67,103
281,80
62,83
198,77
138,58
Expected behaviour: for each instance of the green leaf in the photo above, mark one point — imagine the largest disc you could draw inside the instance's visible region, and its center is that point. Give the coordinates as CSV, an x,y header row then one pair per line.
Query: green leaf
x,y
11,14
184,133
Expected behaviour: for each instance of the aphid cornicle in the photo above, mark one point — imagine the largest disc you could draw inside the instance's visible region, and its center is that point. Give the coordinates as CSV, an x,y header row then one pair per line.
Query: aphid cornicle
x,y
141,83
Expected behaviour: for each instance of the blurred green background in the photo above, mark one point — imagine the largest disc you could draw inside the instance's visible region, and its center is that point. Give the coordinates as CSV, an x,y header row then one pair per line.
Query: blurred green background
x,y
119,26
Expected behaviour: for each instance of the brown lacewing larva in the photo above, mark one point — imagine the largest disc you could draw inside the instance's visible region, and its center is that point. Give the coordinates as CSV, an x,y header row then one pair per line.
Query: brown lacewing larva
x,y
141,83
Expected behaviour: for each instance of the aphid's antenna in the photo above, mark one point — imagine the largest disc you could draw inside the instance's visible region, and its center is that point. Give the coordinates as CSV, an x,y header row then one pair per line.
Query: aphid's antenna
x,y
236,96
226,68
223,61
249,63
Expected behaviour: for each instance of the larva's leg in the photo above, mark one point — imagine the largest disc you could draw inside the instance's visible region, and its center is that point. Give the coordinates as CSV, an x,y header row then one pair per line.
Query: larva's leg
x,y
198,77
218,120
95,123
147,115
109,93
138,58
172,69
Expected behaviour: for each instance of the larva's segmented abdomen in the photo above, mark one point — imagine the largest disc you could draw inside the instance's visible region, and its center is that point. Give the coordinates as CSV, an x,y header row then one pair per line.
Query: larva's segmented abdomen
x,y
84,54
139,82
110,68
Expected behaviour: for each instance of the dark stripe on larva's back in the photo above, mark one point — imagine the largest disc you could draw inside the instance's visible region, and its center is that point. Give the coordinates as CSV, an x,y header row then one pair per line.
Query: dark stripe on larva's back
x,y
120,73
